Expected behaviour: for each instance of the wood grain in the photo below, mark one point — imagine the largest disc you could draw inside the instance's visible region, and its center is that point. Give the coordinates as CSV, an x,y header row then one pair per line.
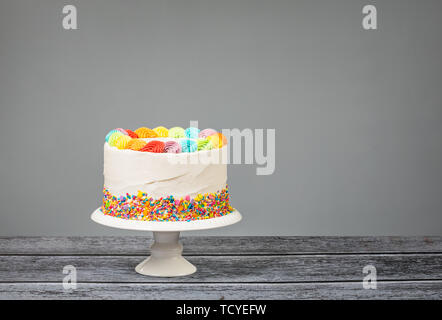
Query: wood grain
x,y
228,268
351,290
220,245
231,269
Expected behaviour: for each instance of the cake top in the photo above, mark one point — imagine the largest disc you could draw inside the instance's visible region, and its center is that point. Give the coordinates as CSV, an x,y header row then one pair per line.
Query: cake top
x,y
163,140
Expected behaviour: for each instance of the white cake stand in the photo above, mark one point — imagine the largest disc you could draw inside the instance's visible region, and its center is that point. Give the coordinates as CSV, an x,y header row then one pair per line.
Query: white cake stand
x,y
166,259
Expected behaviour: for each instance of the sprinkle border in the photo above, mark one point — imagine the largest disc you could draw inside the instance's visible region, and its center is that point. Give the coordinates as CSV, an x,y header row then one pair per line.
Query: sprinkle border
x,y
145,208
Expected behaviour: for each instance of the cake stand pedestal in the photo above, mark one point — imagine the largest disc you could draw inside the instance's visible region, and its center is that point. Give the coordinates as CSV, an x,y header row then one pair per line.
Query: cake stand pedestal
x,y
166,259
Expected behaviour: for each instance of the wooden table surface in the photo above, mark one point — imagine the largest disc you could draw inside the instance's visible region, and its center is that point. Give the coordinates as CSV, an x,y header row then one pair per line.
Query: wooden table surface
x,y
228,268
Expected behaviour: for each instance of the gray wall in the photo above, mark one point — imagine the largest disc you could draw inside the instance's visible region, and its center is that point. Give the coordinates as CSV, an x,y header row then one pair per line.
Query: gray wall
x,y
358,114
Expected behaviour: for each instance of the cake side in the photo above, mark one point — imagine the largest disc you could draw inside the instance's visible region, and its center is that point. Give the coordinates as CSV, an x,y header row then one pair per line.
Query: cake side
x,y
159,175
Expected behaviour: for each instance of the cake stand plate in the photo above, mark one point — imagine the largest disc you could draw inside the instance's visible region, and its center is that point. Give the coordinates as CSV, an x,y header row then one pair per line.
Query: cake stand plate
x,y
166,259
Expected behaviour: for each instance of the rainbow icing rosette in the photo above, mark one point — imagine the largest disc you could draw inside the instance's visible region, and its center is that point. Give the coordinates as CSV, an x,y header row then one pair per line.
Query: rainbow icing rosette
x,y
162,132
110,133
188,145
204,144
192,132
144,132
131,134
114,137
154,146
122,141
136,144
206,132
218,140
177,132
172,147
122,131
189,140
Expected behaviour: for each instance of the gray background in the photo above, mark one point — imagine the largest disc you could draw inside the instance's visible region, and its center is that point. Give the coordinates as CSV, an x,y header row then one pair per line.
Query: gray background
x,y
357,113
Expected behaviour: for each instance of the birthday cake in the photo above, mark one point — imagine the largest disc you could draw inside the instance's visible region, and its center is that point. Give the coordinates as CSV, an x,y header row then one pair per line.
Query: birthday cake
x,y
165,174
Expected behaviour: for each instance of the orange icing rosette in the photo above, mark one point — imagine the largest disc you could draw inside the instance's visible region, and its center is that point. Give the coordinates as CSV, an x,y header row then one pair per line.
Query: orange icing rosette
x,y
218,140
154,146
136,144
161,132
144,132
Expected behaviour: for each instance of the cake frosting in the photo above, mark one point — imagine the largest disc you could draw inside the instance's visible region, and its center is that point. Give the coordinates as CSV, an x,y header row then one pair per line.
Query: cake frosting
x,y
151,176
128,171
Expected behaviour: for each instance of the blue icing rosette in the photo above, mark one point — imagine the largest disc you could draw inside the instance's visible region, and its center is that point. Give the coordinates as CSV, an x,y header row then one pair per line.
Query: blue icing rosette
x,y
188,145
192,132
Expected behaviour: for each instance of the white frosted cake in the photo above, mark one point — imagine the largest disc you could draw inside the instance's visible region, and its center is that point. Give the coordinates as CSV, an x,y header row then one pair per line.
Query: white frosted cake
x,y
165,175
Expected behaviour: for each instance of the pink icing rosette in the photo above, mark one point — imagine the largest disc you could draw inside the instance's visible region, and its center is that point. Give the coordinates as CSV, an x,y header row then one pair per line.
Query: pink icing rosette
x,y
206,132
172,147
122,131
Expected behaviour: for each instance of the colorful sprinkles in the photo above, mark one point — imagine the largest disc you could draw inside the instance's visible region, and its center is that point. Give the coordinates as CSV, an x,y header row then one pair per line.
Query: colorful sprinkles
x,y
145,208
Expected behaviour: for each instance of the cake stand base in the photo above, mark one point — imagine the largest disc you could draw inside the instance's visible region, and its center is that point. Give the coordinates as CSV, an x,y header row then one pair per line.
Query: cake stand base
x,y
166,259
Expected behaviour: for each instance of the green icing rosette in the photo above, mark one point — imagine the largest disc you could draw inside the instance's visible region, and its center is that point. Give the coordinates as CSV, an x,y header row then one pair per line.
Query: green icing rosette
x,y
113,138
204,144
177,132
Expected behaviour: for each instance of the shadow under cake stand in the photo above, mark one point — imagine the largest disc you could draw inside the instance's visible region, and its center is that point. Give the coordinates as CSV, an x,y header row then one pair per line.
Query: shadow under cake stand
x,y
165,259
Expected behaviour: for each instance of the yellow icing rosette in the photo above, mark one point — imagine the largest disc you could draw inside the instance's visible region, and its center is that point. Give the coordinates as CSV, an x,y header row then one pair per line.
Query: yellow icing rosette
x,y
218,140
122,142
162,132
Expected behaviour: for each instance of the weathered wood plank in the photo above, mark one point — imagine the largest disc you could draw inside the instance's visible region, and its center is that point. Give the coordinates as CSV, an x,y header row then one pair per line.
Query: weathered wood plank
x,y
349,290
231,269
220,245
